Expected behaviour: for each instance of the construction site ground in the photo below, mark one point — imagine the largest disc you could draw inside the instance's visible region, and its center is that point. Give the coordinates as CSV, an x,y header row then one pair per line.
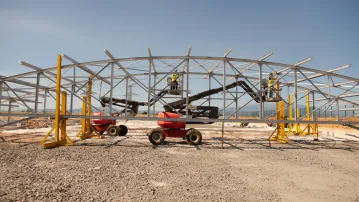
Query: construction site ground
x,y
129,168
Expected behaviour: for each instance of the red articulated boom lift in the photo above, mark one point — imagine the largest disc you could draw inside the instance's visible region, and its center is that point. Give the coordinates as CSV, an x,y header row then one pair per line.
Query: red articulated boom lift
x,y
173,129
178,128
175,109
103,125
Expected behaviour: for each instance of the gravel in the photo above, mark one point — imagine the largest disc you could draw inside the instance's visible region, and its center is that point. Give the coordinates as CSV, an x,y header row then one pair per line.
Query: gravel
x,y
131,169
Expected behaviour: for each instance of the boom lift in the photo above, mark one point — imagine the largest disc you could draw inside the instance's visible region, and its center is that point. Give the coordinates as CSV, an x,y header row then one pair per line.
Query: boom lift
x,y
178,128
177,108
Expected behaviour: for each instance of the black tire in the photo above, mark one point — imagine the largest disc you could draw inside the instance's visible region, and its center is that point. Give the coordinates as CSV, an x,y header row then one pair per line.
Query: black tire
x,y
123,130
113,131
193,136
156,136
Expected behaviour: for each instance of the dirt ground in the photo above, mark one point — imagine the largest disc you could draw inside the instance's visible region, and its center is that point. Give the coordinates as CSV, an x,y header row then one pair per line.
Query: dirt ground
x,y
131,169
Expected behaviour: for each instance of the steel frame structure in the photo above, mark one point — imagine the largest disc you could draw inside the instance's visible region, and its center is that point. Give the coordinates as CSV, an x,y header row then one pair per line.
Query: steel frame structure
x,y
150,76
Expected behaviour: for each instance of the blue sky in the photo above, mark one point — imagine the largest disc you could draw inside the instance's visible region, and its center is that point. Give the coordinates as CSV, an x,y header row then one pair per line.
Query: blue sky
x,y
35,31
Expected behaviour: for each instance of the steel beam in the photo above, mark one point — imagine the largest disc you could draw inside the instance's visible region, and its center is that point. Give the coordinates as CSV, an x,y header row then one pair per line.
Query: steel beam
x,y
25,64
260,59
322,73
84,68
20,82
153,64
224,56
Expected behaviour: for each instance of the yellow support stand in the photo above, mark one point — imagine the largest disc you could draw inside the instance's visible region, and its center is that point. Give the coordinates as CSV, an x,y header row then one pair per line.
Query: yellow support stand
x,y
280,129
61,137
297,125
89,96
310,129
290,113
82,132
86,129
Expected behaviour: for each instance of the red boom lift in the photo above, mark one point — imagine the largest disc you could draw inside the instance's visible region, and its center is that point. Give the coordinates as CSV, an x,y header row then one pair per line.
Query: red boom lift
x,y
177,108
102,125
173,129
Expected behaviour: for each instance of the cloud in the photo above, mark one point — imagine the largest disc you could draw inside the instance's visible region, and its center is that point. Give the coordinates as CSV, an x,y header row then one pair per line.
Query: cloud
x,y
28,23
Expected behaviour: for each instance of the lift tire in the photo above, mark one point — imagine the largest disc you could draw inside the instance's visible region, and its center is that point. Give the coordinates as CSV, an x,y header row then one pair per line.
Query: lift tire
x,y
123,130
113,130
193,136
156,136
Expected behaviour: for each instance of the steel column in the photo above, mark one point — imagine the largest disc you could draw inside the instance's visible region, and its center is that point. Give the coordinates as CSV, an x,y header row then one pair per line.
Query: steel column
x,y
260,92
224,89
1,88
237,99
111,87
295,94
72,97
329,86
9,111
182,83
187,88
155,95
337,103
149,89
37,92
45,98
209,88
126,96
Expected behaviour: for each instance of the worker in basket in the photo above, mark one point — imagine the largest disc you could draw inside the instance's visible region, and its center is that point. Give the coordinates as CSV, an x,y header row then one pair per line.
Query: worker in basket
x,y
271,85
174,81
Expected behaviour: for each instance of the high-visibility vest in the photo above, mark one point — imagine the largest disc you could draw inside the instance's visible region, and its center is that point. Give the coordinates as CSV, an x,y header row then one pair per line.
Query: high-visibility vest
x,y
270,82
174,77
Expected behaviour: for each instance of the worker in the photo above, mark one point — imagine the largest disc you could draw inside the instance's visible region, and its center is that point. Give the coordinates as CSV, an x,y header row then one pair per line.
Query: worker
x,y
271,84
174,81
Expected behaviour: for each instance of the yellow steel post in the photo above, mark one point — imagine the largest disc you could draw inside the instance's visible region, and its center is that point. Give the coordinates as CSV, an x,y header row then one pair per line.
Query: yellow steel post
x,y
57,109
281,136
83,121
280,129
65,139
89,95
277,114
308,111
63,112
58,88
278,118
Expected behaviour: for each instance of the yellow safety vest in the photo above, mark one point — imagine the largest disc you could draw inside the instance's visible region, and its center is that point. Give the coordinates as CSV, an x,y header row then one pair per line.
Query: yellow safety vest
x,y
174,77
270,82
